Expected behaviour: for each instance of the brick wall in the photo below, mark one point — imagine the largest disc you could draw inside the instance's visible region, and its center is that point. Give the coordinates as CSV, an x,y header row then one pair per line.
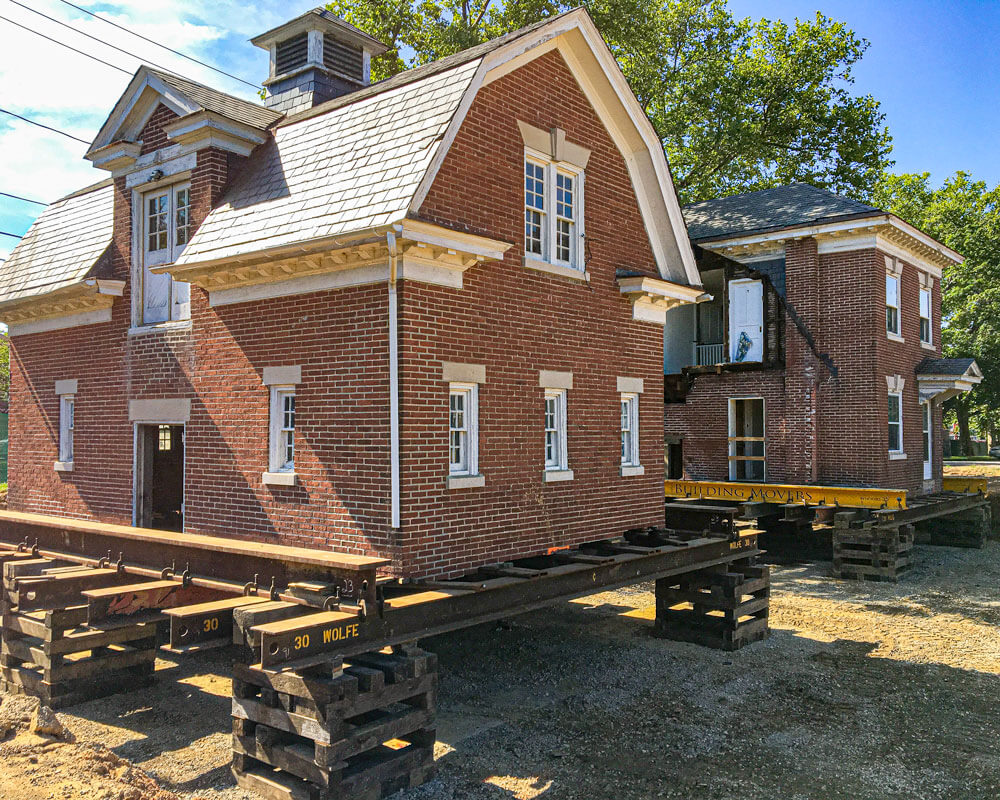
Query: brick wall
x,y
152,136
517,321
513,320
823,427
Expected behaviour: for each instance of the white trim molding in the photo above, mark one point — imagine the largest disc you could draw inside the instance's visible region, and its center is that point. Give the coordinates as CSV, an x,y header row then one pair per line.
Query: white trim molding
x,y
553,143
630,471
279,478
173,410
466,481
895,383
652,298
557,475
561,270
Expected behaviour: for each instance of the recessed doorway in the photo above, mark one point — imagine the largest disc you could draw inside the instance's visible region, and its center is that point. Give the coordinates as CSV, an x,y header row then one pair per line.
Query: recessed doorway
x,y
159,494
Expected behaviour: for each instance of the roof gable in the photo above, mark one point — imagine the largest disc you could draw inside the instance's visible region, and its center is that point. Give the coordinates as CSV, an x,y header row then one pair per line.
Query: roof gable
x,y
369,158
150,87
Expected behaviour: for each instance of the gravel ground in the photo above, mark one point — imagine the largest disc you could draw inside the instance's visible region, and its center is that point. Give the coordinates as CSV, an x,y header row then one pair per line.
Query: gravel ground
x,y
862,691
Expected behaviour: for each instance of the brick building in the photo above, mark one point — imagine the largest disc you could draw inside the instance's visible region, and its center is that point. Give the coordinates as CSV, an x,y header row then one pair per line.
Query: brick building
x,y
818,360
374,318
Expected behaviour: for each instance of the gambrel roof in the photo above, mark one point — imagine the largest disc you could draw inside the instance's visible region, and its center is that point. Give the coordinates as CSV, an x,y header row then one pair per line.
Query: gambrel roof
x,y
367,159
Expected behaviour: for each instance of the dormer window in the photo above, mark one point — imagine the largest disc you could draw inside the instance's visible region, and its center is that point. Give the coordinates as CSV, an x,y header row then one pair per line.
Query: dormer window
x,y
166,231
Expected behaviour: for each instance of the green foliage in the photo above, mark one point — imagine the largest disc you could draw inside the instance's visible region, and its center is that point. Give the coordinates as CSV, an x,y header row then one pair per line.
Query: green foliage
x,y
964,214
738,104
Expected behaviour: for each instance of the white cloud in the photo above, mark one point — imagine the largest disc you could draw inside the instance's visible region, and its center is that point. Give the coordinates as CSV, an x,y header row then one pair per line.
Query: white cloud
x,y
50,84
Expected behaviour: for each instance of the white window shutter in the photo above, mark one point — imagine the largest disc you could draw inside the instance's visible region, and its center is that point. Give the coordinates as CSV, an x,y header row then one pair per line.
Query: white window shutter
x,y
181,300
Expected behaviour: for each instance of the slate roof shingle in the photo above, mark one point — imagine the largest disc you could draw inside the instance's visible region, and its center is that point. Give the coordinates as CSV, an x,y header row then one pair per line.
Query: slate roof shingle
x,y
944,366
62,245
228,105
769,209
353,167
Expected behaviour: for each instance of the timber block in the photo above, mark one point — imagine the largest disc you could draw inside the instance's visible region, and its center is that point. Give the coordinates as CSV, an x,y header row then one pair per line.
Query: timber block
x,y
725,608
356,728
879,553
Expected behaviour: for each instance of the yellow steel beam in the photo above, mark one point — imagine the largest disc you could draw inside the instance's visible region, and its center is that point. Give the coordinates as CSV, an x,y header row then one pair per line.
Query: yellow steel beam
x,y
964,484
785,494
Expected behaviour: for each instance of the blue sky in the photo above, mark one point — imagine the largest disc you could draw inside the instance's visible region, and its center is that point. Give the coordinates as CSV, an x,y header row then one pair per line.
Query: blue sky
x,y
933,65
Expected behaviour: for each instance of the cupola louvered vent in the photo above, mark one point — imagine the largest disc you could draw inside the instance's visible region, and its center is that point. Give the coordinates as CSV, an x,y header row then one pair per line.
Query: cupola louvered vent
x,y
343,58
291,54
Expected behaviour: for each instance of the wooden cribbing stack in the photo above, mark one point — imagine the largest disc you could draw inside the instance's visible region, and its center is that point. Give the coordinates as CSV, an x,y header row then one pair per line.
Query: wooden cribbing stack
x,y
724,607
49,652
361,729
870,552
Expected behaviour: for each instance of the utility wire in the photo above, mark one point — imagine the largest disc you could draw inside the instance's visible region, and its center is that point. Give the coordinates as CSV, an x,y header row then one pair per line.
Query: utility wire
x,y
12,235
140,59
158,44
81,52
40,125
25,199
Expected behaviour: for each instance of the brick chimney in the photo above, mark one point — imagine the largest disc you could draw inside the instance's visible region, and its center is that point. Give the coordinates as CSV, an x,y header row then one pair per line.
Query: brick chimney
x,y
315,58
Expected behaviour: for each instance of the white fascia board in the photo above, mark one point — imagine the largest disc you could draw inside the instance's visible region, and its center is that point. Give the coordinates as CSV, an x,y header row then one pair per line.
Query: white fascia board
x,y
207,128
799,232
58,323
665,289
116,156
644,144
428,233
135,107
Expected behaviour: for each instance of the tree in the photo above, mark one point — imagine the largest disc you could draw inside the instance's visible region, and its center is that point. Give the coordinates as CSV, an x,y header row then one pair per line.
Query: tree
x,y
964,214
739,104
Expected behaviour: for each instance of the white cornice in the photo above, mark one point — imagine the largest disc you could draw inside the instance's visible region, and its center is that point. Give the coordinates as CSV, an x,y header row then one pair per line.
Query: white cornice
x,y
208,129
80,303
652,298
428,253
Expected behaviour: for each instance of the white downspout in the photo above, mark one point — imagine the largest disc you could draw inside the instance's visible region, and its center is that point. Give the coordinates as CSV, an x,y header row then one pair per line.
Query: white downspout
x,y
390,238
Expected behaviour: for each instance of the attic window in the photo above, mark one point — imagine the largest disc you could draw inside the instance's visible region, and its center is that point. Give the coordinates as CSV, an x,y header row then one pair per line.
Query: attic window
x,y
291,54
343,58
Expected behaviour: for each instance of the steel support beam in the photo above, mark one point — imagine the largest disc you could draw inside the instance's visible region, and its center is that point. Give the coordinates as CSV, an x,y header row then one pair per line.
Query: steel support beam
x,y
787,494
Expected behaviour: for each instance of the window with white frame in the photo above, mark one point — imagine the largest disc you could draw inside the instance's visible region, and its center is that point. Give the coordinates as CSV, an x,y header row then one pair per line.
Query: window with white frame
x,y
892,303
630,429
553,211
67,411
925,315
555,430
463,429
282,429
895,422
166,229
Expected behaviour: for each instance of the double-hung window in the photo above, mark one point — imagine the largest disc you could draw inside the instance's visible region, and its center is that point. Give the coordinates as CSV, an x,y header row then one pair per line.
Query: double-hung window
x,y
630,429
925,315
166,229
895,422
463,433
553,212
892,304
282,429
67,410
556,459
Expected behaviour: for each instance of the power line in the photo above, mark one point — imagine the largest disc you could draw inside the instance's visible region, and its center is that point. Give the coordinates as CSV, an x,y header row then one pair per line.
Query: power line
x,y
63,44
25,199
40,125
158,44
12,235
140,59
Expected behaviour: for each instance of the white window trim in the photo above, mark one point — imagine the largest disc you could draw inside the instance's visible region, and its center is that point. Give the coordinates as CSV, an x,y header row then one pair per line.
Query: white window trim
x,y
558,471
632,399
928,342
278,473
575,268
468,477
64,463
896,455
896,336
139,194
